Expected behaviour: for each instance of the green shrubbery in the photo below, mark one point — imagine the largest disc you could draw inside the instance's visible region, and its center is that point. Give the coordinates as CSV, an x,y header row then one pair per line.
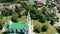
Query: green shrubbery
x,y
1,22
37,28
58,11
44,28
14,17
1,25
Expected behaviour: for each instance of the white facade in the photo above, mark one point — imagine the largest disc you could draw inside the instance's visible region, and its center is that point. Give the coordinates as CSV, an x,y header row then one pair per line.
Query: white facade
x,y
28,24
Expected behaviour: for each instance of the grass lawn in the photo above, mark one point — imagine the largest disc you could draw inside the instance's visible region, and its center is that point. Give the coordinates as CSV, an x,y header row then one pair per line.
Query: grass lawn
x,y
0,32
7,18
22,19
51,29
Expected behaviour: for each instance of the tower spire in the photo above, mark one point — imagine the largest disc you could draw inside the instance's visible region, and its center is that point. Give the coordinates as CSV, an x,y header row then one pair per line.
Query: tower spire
x,y
28,24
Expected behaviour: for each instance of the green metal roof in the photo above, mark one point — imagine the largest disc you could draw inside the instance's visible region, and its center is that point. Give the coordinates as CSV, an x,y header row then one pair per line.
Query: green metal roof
x,y
17,26
13,33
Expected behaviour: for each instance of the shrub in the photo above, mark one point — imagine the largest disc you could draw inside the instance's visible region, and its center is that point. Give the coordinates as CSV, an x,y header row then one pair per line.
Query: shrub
x,y
37,27
14,17
44,28
52,22
0,26
58,11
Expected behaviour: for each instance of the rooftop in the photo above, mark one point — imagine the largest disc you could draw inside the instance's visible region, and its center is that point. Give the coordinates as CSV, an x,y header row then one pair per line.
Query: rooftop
x,y
17,26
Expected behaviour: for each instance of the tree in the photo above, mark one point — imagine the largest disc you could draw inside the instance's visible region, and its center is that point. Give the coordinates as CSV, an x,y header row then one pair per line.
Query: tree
x,y
1,25
35,3
42,18
52,22
44,10
37,28
47,2
1,21
33,16
7,1
57,19
58,8
58,29
14,17
17,9
4,33
19,15
34,13
52,5
5,13
58,11
44,28
10,12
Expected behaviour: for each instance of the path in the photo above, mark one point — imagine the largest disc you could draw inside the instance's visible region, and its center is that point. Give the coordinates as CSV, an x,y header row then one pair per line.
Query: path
x,y
32,27
57,23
